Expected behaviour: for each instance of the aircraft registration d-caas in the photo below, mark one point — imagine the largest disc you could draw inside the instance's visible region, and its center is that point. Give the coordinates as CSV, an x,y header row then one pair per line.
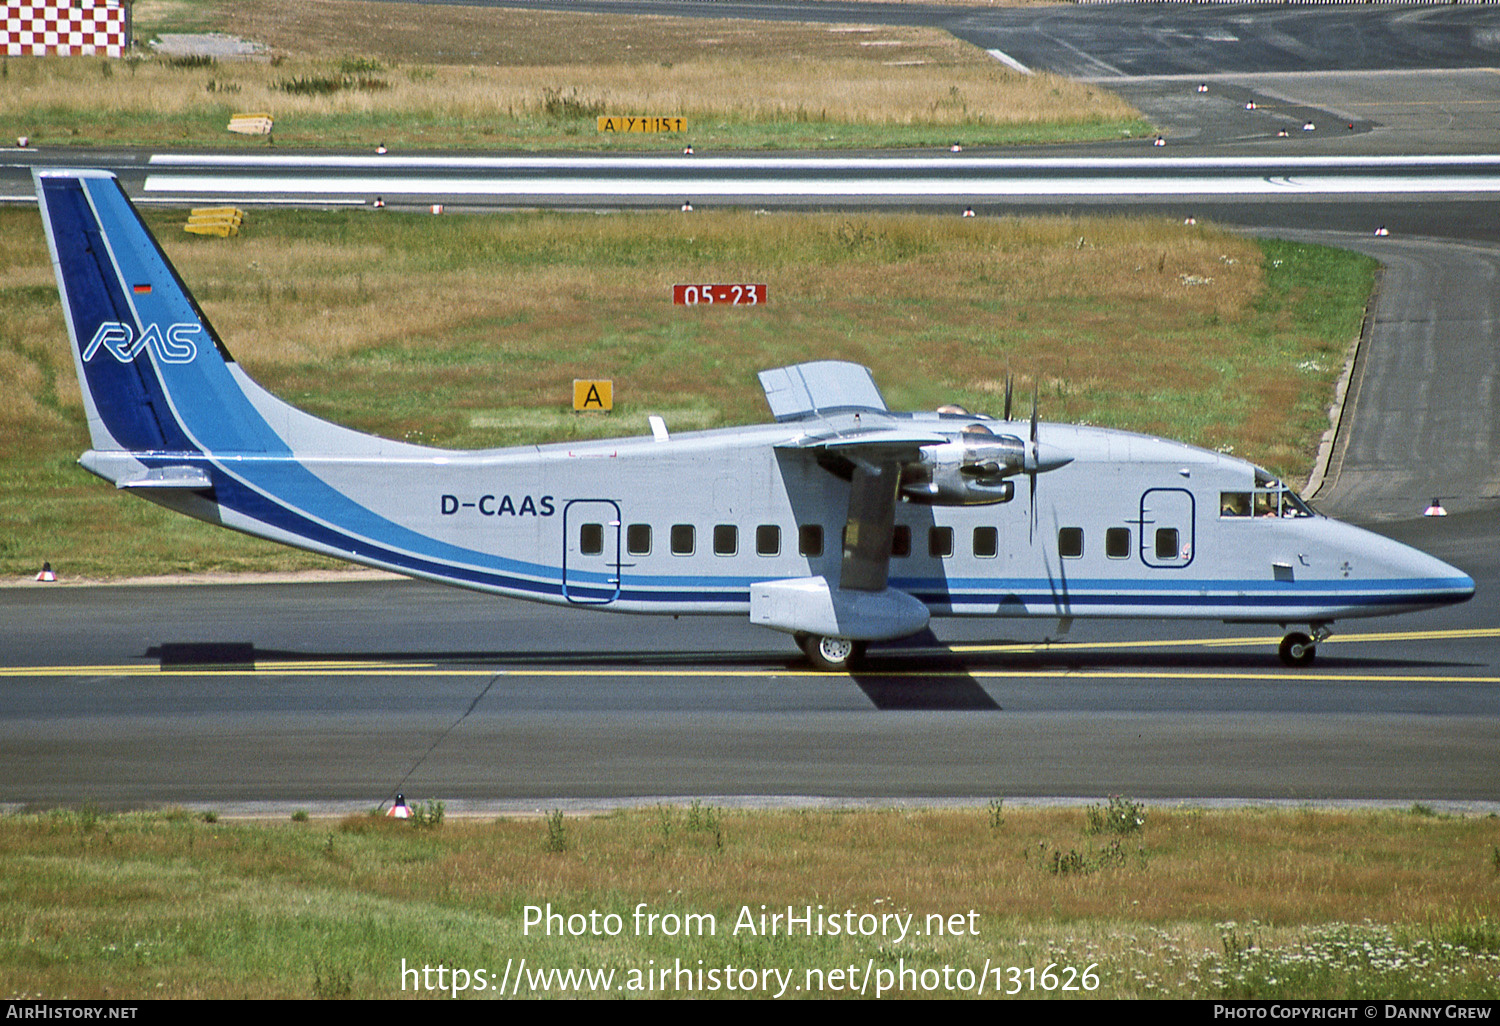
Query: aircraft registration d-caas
x,y
841,523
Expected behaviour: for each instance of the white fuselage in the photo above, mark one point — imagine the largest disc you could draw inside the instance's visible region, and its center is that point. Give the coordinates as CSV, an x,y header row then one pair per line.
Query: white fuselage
x,y
1132,527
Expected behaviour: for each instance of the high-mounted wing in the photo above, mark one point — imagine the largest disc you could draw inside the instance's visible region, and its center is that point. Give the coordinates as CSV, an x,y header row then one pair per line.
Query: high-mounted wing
x,y
851,432
947,459
822,387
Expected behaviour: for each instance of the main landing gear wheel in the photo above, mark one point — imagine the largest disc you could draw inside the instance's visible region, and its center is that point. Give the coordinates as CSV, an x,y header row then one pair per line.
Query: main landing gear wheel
x,y
1297,649
836,654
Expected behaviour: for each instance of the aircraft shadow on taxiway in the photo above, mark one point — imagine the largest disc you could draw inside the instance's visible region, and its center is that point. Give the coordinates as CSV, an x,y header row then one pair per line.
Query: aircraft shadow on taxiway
x,y
925,676
900,663
889,685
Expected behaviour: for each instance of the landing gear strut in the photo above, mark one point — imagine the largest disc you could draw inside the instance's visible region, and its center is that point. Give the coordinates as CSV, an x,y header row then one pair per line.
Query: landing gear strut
x,y
835,654
1298,649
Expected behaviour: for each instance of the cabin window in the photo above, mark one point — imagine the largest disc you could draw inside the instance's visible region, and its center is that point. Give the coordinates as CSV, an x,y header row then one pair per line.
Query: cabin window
x,y
1070,542
986,542
1234,504
901,541
810,540
1117,543
940,542
683,541
726,539
590,539
1166,543
767,540
638,539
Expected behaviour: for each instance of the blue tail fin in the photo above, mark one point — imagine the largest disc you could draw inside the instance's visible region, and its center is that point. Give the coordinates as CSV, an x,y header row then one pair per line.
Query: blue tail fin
x,y
155,378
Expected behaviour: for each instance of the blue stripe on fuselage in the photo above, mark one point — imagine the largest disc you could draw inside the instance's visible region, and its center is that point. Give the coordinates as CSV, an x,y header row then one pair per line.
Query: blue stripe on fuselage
x,y
440,560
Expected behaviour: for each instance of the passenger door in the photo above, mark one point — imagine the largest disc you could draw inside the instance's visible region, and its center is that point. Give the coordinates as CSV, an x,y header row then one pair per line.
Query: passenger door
x,y
1167,518
591,551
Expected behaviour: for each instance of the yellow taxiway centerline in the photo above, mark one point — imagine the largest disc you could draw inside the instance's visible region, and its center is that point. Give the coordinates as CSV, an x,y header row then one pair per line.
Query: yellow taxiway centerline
x,y
366,668
293,670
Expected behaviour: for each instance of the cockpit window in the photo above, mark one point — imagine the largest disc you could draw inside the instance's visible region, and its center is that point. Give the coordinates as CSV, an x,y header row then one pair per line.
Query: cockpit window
x,y
1293,505
1234,504
1270,499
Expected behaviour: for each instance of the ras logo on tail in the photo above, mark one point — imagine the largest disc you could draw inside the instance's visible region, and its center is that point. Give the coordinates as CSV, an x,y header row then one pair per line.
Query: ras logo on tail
x,y
176,346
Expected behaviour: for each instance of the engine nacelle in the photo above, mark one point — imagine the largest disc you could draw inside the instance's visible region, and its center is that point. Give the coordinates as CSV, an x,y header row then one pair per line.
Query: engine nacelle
x,y
971,471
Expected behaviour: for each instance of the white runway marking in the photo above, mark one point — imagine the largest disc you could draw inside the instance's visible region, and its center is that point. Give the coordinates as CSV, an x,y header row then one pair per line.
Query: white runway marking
x,y
903,188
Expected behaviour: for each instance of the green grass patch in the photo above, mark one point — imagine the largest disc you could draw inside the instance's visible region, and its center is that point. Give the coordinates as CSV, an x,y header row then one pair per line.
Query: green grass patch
x,y
1287,904
468,332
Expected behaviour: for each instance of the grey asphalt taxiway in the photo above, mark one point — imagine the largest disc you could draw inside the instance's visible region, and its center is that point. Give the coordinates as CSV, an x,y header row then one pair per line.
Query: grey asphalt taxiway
x,y
348,692
299,693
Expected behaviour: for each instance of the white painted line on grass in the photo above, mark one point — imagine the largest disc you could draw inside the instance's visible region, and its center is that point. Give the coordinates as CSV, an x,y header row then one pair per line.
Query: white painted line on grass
x,y
1009,61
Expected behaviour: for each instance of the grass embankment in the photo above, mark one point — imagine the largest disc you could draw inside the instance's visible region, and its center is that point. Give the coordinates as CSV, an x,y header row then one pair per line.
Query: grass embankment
x,y
343,74
468,331
1193,904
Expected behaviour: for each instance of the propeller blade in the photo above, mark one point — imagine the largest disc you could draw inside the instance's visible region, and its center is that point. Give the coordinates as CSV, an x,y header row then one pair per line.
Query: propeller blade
x,y
1009,381
1035,450
1033,508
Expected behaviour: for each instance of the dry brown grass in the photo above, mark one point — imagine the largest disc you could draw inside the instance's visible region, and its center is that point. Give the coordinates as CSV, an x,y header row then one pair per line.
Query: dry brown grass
x,y
488,36
865,288
937,308
443,76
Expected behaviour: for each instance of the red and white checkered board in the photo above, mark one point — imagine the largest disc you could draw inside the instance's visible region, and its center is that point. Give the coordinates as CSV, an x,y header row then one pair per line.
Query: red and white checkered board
x,y
66,28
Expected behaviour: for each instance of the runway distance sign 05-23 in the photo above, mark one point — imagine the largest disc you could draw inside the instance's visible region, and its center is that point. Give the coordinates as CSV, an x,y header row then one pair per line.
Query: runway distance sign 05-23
x,y
727,295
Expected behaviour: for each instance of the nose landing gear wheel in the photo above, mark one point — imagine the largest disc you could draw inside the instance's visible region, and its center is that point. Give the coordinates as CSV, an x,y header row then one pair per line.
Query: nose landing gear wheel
x,y
1297,649
836,654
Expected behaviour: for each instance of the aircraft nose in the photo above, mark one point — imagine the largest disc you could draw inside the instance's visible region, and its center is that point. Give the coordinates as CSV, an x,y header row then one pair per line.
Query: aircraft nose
x,y
1443,582
1463,586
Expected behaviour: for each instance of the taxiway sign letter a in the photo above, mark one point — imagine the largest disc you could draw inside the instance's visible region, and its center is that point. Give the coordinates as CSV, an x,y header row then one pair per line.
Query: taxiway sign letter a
x,y
593,395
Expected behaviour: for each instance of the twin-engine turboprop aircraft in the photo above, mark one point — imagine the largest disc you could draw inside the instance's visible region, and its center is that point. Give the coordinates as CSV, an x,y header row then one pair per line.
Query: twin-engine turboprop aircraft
x,y
841,523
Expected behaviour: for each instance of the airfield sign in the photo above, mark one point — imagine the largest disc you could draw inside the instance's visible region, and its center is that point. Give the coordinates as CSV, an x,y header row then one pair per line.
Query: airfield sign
x,y
593,395
726,295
